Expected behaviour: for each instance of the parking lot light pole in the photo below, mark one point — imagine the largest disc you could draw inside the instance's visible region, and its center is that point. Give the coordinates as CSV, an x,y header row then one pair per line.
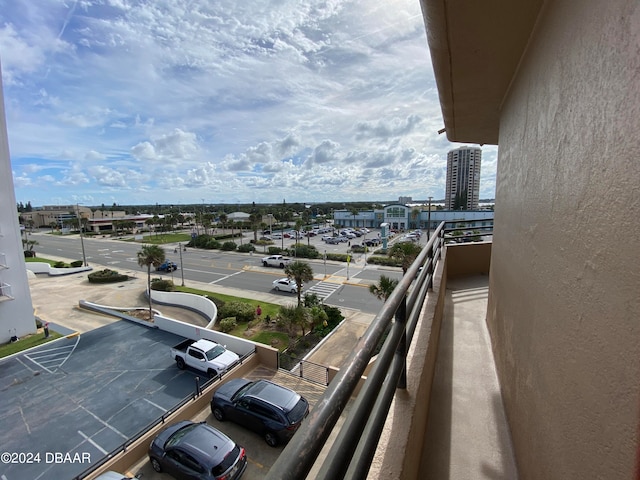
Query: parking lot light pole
x,y
181,266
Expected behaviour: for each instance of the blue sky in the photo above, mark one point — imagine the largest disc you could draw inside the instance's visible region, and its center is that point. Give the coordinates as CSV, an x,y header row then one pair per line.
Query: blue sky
x,y
226,101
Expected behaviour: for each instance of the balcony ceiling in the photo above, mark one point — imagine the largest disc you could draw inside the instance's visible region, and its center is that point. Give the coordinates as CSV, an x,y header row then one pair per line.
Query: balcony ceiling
x,y
476,46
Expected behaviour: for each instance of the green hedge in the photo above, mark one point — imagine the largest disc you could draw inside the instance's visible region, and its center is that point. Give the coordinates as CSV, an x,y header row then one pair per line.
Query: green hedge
x,y
162,285
246,248
389,262
243,312
106,276
338,257
77,263
229,246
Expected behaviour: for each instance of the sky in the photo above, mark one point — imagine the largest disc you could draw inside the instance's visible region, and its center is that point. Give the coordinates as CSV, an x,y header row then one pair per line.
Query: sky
x,y
226,101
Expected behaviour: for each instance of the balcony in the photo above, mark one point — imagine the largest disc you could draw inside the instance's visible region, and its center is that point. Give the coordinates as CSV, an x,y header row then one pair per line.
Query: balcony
x,y
5,292
446,413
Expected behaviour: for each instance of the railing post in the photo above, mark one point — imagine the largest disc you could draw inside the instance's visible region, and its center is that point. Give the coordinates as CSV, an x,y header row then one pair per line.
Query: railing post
x,y
430,267
301,372
401,317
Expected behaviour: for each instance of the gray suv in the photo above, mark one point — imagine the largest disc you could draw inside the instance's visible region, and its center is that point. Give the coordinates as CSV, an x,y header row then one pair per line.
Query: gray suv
x,y
273,411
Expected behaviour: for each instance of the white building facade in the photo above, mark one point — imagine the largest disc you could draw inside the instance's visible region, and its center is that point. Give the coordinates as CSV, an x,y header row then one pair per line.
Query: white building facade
x,y
16,309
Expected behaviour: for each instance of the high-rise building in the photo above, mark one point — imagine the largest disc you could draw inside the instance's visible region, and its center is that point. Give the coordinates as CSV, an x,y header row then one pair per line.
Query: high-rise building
x,y
463,178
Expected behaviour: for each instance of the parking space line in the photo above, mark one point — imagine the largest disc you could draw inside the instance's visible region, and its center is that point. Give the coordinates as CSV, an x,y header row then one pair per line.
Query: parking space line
x,y
98,447
115,430
155,404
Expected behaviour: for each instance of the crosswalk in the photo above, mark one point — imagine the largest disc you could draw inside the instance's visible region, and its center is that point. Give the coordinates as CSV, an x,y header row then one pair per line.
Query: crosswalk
x,y
324,289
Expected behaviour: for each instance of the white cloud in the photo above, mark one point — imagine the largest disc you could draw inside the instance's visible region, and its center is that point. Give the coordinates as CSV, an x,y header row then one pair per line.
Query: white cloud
x,y
183,99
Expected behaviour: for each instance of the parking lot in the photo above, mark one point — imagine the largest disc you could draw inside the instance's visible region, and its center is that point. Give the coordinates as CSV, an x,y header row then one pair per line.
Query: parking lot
x,y
260,456
85,395
69,403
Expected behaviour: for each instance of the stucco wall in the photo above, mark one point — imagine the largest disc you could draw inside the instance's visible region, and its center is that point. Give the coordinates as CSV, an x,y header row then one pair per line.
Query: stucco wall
x,y
565,275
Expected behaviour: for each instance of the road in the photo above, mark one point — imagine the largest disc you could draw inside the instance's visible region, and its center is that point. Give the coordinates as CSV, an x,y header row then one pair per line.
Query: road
x,y
338,284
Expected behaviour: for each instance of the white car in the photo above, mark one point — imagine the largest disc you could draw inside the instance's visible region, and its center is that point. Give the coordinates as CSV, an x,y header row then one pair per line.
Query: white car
x,y
286,285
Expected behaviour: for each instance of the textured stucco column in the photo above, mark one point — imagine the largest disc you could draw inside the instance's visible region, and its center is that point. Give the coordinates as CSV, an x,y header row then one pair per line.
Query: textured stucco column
x,y
564,302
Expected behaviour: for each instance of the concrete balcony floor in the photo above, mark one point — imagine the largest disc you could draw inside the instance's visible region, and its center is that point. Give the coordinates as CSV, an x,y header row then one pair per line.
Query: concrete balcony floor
x,y
467,434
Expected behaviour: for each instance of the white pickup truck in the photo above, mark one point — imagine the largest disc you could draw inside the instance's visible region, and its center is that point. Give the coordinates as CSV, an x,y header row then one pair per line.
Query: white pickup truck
x,y
204,355
276,261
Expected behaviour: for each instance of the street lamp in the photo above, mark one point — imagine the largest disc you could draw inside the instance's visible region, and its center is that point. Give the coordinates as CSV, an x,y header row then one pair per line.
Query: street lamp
x,y
84,257
181,266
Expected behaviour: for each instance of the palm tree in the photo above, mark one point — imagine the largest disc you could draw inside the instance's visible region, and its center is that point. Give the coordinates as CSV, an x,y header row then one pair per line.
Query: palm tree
x,y
405,253
223,220
354,212
383,289
415,214
300,272
150,255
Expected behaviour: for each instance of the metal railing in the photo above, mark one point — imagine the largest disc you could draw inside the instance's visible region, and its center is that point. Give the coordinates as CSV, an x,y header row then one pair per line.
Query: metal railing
x,y
355,444
310,371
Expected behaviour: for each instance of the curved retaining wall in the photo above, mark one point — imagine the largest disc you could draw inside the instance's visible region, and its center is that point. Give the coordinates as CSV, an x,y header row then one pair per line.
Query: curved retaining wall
x,y
197,303
43,267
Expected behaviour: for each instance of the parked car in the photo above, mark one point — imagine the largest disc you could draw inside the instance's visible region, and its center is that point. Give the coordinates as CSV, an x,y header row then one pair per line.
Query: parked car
x,y
273,411
276,235
372,242
167,266
286,285
111,475
188,450
333,240
204,355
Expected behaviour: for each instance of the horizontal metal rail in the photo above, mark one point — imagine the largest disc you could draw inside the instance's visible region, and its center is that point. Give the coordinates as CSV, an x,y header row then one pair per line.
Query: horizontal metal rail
x,y
356,442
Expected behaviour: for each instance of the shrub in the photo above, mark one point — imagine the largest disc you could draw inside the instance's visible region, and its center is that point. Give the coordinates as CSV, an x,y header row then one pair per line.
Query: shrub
x,y
357,249
228,324
390,262
212,244
229,246
246,248
29,253
338,257
106,276
301,250
162,285
77,263
219,303
60,264
274,250
244,312
334,317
